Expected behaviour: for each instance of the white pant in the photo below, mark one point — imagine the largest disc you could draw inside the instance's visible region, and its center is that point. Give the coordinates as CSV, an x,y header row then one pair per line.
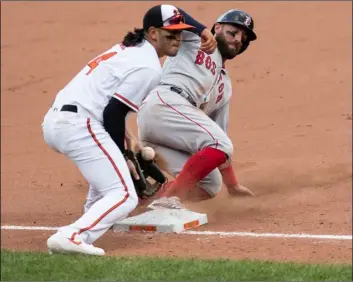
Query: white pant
x,y
112,195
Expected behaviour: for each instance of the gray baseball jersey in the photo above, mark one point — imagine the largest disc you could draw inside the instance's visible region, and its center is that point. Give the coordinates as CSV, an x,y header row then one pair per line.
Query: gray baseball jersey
x,y
202,76
179,124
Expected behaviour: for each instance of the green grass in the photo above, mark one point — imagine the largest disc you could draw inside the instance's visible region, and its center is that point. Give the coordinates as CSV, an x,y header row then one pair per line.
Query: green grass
x,y
41,266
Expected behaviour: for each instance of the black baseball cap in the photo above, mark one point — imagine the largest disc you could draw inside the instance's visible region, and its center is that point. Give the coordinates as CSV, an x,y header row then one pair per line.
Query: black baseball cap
x,y
166,17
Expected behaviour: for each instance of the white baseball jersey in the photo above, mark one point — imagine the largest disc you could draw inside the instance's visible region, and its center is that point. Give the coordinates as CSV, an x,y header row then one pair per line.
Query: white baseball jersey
x,y
126,73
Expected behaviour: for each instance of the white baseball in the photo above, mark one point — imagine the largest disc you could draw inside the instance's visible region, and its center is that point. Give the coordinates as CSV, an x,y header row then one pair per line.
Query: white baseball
x,y
148,153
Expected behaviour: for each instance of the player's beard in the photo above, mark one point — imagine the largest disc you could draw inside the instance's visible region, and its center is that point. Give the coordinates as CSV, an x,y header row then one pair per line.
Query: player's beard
x,y
223,48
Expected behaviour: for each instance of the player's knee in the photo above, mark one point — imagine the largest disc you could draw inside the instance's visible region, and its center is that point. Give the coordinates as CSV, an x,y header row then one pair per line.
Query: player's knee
x,y
226,146
130,198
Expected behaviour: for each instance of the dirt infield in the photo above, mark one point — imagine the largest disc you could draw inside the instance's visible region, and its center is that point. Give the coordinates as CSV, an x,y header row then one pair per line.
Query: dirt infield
x,y
291,125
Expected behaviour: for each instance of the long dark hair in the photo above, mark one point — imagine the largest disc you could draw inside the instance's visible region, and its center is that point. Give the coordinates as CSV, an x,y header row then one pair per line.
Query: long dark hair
x,y
133,38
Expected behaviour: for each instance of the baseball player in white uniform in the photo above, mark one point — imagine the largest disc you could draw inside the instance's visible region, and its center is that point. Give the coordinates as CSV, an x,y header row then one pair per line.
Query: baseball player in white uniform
x,y
185,118
87,122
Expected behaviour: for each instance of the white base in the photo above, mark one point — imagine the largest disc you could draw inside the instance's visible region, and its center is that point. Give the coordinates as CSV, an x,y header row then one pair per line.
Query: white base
x,y
162,220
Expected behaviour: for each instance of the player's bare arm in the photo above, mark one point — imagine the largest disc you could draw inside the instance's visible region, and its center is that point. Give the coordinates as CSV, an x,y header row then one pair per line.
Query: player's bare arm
x,y
132,142
234,188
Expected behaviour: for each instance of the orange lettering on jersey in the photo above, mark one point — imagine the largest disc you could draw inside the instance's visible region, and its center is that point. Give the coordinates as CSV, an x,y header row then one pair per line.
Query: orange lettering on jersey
x,y
94,63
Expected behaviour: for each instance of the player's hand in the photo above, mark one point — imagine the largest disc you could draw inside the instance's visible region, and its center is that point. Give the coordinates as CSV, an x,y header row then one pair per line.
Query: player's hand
x,y
132,169
138,146
132,143
239,190
208,42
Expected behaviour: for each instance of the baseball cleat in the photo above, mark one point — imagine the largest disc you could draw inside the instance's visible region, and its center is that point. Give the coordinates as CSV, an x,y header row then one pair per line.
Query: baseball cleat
x,y
167,203
59,243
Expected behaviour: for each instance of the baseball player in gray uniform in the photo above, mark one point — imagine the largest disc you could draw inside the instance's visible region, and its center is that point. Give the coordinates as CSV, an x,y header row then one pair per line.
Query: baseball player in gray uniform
x,y
185,118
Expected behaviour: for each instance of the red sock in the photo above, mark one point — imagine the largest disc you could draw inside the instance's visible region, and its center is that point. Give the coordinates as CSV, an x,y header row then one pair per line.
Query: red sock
x,y
228,176
199,166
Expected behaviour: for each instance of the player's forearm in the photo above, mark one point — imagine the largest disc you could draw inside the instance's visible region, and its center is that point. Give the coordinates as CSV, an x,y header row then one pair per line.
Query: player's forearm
x,y
228,173
231,182
199,27
130,139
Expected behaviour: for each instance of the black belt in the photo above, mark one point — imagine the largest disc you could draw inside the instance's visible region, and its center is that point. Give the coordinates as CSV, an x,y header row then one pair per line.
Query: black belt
x,y
183,94
69,108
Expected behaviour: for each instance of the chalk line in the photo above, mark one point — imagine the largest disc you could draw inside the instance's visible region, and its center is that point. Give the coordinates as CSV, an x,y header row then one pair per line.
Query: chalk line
x,y
271,235
31,228
211,233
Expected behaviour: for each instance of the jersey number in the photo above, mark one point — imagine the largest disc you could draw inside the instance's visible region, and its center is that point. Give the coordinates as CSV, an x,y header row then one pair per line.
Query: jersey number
x,y
94,63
